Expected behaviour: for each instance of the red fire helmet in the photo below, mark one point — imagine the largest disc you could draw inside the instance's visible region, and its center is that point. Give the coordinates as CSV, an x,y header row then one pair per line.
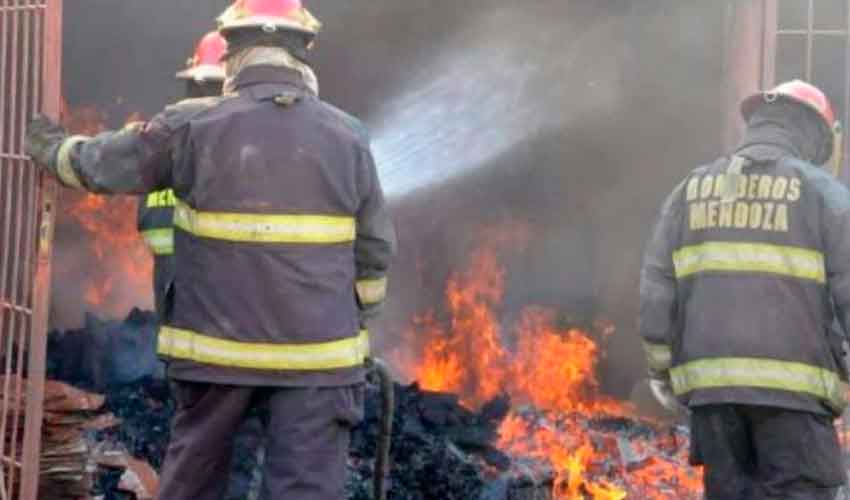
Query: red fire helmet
x,y
270,16
797,91
206,65
813,98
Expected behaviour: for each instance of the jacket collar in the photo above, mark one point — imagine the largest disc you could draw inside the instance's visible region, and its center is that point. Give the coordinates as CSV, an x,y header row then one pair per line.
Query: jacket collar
x,y
268,75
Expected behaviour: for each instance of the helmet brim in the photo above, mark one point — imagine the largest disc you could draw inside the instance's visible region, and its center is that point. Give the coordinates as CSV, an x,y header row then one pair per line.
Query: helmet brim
x,y
266,23
753,102
203,73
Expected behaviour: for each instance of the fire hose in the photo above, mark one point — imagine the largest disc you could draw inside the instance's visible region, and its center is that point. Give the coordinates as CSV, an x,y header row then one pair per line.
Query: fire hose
x,y
379,374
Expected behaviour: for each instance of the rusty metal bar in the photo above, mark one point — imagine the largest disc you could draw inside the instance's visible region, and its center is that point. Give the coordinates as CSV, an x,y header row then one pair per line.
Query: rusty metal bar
x,y
3,32
15,308
51,71
24,335
6,182
5,339
17,221
30,72
20,8
813,32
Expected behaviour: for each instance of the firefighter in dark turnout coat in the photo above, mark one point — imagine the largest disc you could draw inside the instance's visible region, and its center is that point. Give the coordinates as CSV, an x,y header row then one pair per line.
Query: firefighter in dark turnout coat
x,y
742,280
204,78
282,243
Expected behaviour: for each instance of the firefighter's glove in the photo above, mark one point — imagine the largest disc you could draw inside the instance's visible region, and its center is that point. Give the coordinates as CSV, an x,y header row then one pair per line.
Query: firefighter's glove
x,y
43,140
663,393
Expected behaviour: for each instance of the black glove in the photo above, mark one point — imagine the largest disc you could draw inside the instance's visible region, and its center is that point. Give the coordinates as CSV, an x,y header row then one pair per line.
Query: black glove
x,y
44,137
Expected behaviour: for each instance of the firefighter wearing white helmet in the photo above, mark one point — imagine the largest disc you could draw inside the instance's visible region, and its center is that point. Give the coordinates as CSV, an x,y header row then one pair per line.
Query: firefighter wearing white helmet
x,y
282,241
744,275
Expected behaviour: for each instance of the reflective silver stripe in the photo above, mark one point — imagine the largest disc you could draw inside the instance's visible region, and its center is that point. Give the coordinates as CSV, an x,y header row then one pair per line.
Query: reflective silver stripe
x,y
188,345
750,257
160,241
659,357
260,228
372,291
762,373
64,166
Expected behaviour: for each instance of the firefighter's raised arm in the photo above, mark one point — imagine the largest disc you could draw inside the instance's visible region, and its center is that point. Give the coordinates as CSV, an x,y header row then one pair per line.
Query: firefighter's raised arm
x,y
836,232
136,159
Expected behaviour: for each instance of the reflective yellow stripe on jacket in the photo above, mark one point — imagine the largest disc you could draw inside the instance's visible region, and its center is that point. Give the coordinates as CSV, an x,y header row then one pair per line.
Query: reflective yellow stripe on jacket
x,y
161,199
160,241
789,261
372,291
259,228
188,345
659,357
761,373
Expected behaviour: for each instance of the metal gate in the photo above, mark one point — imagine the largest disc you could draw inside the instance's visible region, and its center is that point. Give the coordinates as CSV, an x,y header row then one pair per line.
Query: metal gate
x,y
30,57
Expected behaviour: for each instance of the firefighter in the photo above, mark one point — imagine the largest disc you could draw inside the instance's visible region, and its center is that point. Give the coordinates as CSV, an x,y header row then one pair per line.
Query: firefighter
x,y
282,242
204,77
743,276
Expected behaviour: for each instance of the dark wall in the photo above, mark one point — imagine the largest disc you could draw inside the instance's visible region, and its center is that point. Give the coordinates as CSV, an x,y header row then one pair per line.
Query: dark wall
x,y
576,117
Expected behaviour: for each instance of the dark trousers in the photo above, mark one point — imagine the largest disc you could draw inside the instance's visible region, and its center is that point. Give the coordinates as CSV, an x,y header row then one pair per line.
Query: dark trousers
x,y
755,453
307,431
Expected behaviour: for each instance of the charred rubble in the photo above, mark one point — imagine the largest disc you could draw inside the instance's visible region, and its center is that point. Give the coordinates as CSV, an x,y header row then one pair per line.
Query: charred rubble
x,y
441,450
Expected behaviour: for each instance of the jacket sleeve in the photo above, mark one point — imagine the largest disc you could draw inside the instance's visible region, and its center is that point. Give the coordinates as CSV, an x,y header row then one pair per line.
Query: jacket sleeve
x,y
836,231
658,287
376,240
136,159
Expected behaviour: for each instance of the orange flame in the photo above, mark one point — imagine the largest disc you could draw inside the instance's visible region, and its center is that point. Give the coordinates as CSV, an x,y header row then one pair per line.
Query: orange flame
x,y
554,369
118,265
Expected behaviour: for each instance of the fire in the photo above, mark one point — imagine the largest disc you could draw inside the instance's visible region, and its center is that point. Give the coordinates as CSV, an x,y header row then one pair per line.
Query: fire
x,y
551,368
117,265
124,262
469,360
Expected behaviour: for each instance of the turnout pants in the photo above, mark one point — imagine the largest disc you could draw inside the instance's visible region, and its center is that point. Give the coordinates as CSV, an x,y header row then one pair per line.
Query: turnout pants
x,y
307,436
760,453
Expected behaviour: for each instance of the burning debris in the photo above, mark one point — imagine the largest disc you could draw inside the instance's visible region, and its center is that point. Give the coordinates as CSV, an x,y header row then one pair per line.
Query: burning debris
x,y
441,450
562,429
538,428
495,415
97,244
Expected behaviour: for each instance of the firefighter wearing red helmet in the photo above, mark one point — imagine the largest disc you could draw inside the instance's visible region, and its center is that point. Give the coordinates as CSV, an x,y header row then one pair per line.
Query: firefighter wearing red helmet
x,y
204,77
743,277
205,70
282,242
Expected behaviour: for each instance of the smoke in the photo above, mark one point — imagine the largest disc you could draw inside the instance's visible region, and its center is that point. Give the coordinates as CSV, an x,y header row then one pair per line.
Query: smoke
x,y
575,117
472,105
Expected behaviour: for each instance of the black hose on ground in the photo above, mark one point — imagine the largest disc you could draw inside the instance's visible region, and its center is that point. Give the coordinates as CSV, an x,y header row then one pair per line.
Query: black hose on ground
x,y
380,375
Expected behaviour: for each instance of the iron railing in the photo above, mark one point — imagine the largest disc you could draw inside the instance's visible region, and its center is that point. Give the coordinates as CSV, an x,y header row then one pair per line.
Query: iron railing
x,y
30,44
